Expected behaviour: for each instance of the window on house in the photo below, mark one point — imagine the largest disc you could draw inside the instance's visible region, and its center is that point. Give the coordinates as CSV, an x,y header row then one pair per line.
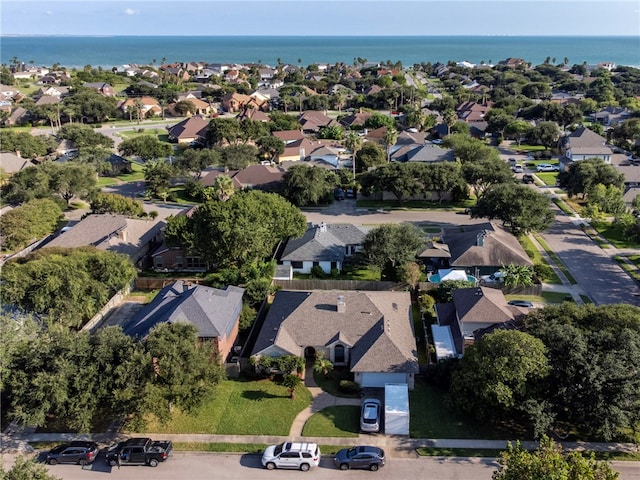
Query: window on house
x,y
334,265
338,354
296,265
179,262
316,264
195,262
157,262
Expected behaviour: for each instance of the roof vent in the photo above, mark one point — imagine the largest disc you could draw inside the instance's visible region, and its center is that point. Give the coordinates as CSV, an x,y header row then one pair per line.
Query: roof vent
x,y
323,227
342,305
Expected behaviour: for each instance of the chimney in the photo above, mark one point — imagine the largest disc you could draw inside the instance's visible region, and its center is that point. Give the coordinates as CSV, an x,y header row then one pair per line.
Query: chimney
x,y
186,286
323,227
480,238
342,305
123,235
18,154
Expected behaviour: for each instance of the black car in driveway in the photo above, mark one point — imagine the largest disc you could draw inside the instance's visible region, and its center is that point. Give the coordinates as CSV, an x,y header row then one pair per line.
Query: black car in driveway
x,y
78,452
371,458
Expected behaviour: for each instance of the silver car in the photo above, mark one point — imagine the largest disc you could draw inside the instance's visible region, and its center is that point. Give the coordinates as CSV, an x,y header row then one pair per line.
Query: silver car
x,y
370,417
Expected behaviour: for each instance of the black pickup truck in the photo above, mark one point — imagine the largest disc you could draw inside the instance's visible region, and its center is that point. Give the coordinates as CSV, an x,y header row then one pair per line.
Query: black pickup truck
x,y
139,451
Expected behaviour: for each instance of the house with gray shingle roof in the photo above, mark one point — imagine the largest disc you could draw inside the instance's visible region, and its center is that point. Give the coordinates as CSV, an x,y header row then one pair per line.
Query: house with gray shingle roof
x,y
582,144
483,249
214,312
369,332
324,245
12,163
133,237
473,312
428,153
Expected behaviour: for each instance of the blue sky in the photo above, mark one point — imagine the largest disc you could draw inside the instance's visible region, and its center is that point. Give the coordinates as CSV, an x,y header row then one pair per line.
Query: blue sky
x,y
328,17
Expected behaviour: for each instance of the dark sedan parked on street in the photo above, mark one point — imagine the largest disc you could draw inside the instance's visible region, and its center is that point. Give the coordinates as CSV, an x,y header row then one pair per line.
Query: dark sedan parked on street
x,y
371,458
78,452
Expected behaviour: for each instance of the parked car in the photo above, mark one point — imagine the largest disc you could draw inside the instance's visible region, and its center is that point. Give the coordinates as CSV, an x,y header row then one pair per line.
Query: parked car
x,y
512,160
78,452
370,415
338,194
436,141
351,193
301,456
521,303
547,167
517,169
371,458
527,178
139,451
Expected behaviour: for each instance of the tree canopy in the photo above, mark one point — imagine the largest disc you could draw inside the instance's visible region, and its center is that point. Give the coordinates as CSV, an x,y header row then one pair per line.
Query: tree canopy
x,y
549,461
389,246
305,185
68,285
146,147
245,229
520,208
117,204
584,175
30,222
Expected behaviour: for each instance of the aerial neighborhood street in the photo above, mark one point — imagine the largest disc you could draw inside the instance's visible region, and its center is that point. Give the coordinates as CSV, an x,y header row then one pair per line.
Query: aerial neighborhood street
x,y
218,269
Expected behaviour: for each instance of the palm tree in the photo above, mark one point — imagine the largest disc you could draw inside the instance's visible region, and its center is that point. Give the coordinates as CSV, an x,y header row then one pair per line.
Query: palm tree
x,y
354,143
450,118
291,382
322,365
390,139
223,187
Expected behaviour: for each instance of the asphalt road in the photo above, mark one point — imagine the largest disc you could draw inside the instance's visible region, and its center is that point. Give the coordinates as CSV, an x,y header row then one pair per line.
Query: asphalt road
x,y
197,466
592,267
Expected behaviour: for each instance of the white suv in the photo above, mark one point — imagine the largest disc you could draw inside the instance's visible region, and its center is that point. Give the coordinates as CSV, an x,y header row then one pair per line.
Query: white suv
x,y
300,456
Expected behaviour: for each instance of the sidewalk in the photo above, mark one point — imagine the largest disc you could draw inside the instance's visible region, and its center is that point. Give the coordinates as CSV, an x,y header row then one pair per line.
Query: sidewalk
x,y
16,440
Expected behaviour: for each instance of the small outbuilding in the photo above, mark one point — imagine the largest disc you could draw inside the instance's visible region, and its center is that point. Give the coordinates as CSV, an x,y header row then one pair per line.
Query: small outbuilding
x,y
396,408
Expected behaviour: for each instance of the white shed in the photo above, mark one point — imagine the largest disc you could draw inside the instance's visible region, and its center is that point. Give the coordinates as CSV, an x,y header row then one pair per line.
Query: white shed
x,y
396,409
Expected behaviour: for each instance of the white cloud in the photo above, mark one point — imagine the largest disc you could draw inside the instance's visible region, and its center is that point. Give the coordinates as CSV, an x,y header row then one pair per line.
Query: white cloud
x,y
130,11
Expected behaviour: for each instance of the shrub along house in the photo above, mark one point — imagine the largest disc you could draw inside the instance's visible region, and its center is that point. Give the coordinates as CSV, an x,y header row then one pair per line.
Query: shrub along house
x,y
371,333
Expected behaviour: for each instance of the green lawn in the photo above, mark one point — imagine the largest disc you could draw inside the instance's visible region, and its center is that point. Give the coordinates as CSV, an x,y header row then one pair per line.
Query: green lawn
x,y
614,234
549,178
537,258
331,383
562,205
430,418
340,421
238,407
136,175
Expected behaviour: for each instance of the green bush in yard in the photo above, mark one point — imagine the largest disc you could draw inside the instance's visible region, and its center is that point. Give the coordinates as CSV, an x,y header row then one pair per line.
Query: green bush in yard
x,y
317,272
348,386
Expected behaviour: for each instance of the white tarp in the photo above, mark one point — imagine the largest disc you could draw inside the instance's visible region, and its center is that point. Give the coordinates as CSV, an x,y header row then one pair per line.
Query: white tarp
x,y
396,409
448,274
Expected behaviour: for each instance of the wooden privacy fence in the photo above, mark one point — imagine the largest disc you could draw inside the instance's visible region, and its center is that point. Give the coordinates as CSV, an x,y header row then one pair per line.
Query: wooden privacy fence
x,y
156,283
317,284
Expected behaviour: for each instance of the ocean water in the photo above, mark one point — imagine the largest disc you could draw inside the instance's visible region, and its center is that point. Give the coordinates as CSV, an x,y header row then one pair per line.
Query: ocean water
x,y
107,52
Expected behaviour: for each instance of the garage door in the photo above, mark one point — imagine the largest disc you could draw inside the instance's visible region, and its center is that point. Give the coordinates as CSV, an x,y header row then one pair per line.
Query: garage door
x,y
379,379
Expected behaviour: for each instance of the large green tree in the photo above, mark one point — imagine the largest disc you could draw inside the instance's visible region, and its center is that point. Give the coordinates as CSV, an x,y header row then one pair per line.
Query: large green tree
x,y
369,156
389,246
500,374
27,469
146,147
481,174
582,176
245,229
30,222
549,461
158,175
305,185
117,204
520,208
68,285
182,369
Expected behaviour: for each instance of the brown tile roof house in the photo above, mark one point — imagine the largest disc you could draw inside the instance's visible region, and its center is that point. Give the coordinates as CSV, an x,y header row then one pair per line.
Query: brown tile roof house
x,y
475,310
472,112
256,177
370,332
357,119
485,247
114,233
312,121
214,312
297,150
288,136
260,177
147,104
102,88
193,129
253,114
233,102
